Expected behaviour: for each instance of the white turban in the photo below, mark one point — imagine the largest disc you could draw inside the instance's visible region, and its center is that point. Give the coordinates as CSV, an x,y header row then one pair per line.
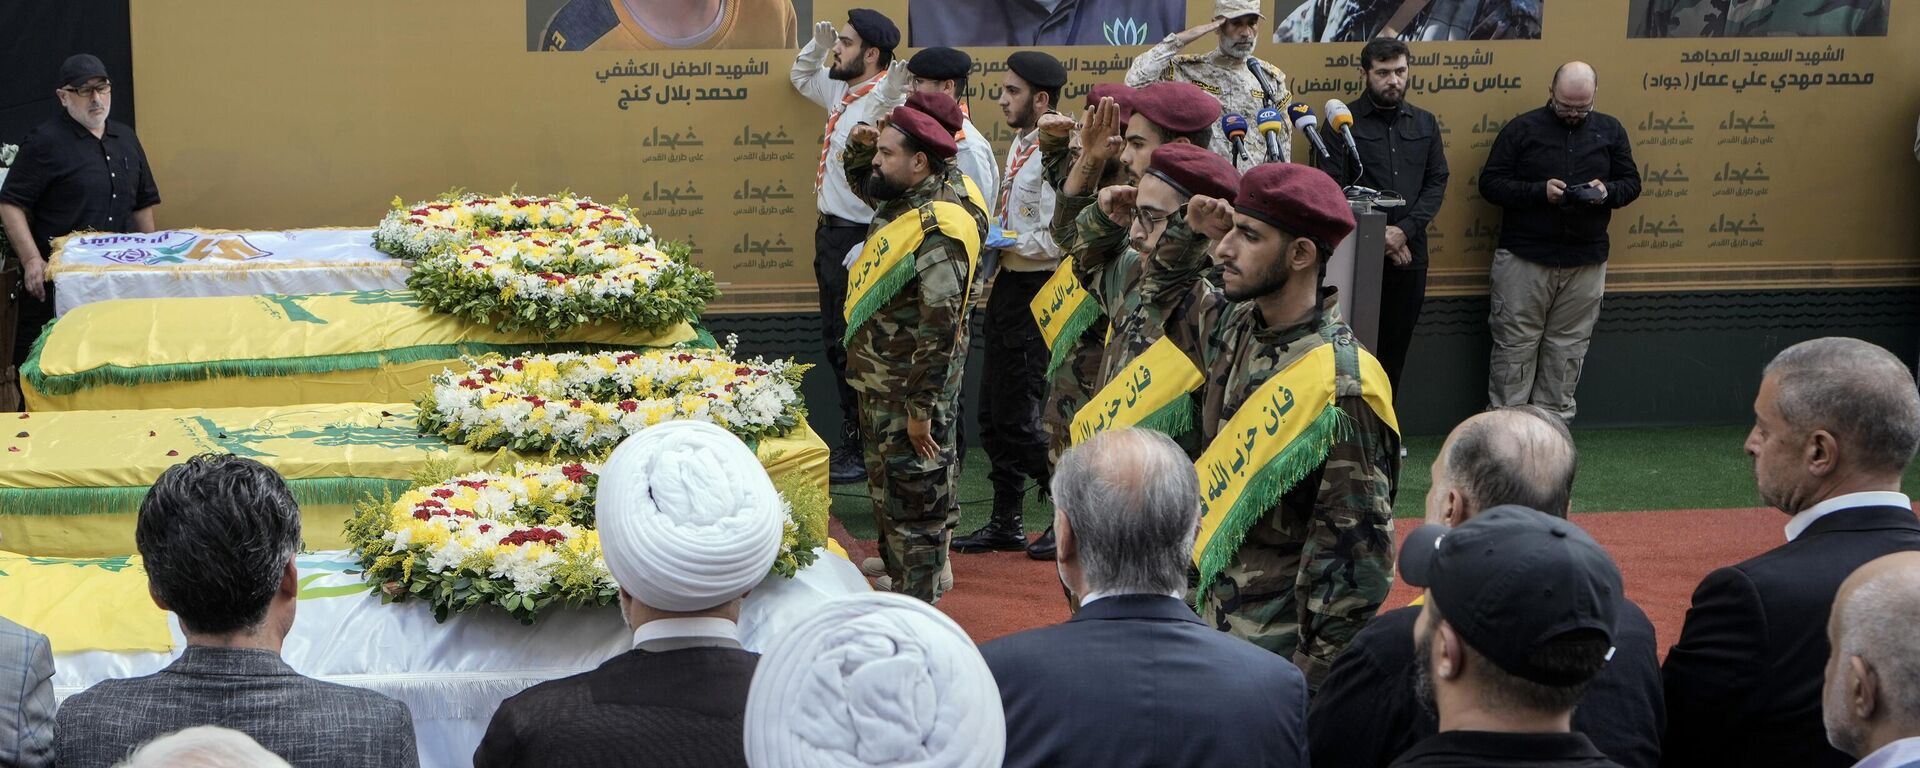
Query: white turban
x,y
874,679
688,518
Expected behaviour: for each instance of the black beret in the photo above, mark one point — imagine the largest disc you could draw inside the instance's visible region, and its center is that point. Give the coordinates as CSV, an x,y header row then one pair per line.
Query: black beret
x,y
1038,69
875,28
940,63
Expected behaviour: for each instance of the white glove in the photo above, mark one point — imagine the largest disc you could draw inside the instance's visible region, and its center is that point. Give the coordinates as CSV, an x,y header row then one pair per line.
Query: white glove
x,y
824,34
853,255
898,77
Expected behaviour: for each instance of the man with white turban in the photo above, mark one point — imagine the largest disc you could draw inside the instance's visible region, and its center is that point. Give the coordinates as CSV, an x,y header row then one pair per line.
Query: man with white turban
x,y
874,679
689,523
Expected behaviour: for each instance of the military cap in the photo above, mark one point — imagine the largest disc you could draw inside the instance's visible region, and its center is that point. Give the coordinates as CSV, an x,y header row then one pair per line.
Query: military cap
x,y
1299,200
1195,170
1176,107
1233,9
939,106
875,28
940,63
1038,69
933,137
1116,91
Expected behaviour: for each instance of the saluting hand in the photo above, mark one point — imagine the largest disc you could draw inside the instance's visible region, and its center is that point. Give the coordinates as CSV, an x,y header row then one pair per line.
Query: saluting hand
x,y
863,135
1210,216
1100,133
824,34
1117,202
1056,124
898,76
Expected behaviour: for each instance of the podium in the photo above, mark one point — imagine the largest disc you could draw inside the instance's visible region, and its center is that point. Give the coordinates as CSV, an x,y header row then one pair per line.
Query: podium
x,y
1355,269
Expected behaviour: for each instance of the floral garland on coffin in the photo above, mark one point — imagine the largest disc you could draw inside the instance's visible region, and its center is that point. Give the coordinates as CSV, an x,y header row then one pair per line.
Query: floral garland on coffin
x,y
450,221
521,540
583,404
551,285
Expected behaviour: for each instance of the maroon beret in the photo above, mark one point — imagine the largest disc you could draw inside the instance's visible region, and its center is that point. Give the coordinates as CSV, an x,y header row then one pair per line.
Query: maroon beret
x,y
933,137
1116,91
1175,107
1299,200
939,106
1195,170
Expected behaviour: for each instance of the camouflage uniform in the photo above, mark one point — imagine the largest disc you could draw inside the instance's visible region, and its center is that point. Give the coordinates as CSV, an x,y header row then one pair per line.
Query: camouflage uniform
x,y
1316,567
906,362
1228,80
1074,382
1134,289
1763,18
1357,21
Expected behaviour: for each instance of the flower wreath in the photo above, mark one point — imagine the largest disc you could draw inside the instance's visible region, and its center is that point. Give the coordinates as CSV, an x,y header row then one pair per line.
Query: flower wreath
x,y
450,221
582,404
522,540
551,285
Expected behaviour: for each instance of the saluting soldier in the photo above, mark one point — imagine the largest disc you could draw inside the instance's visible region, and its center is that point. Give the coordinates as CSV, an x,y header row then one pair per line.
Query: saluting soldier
x,y
1221,72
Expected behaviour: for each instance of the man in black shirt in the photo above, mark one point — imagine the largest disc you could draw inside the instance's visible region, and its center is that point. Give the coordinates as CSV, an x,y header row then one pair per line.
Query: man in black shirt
x,y
1520,615
1559,172
1365,714
78,171
1400,150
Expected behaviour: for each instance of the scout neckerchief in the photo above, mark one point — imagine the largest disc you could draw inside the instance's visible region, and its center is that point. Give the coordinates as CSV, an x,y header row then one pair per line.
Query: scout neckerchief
x,y
1279,435
1014,164
826,139
1150,392
886,263
1064,310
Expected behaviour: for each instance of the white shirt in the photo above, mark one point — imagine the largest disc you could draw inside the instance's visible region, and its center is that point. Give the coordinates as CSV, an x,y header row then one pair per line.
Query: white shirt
x,y
1027,209
1098,595
809,76
976,161
1896,754
1808,516
674,634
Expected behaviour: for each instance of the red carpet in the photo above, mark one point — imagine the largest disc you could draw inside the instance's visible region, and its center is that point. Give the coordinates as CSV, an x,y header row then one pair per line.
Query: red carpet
x,y
1662,555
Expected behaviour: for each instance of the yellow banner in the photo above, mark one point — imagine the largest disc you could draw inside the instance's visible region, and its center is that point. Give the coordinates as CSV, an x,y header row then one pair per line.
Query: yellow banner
x,y
1150,392
92,604
886,263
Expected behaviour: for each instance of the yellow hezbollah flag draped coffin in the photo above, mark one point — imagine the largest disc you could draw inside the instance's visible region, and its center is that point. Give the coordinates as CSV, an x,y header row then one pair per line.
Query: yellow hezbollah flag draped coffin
x,y
61,496
275,350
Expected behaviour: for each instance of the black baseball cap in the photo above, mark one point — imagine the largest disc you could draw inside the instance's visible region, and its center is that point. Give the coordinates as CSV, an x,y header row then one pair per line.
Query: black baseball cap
x,y
79,68
1513,579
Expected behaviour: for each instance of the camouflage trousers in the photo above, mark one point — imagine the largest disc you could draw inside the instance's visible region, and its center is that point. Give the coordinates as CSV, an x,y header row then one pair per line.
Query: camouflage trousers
x,y
914,505
1302,588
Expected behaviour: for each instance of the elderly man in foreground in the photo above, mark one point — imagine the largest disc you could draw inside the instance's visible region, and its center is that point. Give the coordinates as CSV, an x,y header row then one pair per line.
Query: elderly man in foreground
x,y
689,522
1871,702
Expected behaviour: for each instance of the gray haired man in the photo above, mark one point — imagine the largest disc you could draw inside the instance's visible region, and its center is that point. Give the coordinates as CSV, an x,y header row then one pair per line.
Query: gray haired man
x,y
1126,509
1871,702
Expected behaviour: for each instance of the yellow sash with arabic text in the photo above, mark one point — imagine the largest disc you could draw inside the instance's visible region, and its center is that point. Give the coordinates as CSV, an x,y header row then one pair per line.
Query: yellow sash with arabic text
x,y
886,263
1064,310
1150,392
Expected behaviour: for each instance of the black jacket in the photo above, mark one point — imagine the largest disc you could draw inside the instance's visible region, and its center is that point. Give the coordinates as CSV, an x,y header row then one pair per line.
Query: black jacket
x,y
1401,151
1365,714
1536,146
1482,749
1743,683
686,708
1137,680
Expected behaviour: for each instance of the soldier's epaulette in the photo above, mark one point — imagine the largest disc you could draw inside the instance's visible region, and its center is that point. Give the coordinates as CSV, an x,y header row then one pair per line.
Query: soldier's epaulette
x,y
578,24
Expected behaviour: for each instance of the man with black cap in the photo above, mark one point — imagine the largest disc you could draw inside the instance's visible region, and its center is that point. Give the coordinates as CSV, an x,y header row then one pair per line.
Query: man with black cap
x,y
1016,357
946,70
847,86
1222,72
907,336
1520,615
1302,445
1366,715
77,171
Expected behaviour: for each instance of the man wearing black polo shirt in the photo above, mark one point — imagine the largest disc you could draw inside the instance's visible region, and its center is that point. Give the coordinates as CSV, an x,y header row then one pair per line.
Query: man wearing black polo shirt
x,y
1521,613
1366,714
78,171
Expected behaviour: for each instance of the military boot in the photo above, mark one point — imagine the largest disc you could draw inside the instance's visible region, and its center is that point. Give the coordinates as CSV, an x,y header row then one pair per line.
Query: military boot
x,y
1042,548
847,464
1003,531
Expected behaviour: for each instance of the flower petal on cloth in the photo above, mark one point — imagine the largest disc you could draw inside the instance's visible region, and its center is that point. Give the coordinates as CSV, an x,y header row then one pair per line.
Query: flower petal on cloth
x,y
874,679
688,518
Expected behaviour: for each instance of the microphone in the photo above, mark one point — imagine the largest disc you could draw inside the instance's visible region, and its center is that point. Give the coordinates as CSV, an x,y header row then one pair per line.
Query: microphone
x,y
1234,127
1341,119
1305,122
1271,125
1259,70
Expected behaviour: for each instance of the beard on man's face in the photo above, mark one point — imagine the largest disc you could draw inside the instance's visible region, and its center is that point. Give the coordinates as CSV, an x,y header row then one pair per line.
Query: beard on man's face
x,y
1255,285
1423,674
847,71
1390,98
879,187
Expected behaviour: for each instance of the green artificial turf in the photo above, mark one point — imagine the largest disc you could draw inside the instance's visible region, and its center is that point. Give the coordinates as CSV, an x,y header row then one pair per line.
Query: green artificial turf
x,y
1620,470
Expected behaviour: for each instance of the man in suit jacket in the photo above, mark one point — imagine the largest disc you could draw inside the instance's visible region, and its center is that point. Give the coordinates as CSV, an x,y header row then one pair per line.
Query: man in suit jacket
x,y
1835,424
1366,715
689,522
218,535
26,666
1135,678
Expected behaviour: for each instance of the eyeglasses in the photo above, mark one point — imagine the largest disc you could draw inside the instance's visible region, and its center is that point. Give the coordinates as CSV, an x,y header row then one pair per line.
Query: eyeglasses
x,y
90,91
1568,110
1150,221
